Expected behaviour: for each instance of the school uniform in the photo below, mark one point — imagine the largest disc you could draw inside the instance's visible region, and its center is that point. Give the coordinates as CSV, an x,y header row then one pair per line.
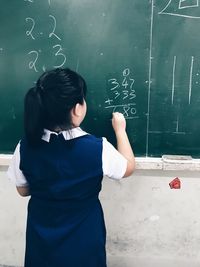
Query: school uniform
x,y
65,222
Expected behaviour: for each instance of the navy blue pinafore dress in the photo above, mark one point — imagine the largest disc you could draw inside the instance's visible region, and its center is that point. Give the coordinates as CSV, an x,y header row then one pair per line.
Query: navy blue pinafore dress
x,y
65,223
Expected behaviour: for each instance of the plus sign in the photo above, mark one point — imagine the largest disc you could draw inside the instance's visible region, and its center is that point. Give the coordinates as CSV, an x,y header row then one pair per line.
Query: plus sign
x,y
109,101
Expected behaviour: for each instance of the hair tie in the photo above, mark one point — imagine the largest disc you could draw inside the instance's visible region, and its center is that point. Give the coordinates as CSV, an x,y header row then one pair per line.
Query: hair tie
x,y
40,88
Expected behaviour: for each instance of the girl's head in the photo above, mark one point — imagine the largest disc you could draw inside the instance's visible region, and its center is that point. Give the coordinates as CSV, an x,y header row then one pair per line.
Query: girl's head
x,y
57,102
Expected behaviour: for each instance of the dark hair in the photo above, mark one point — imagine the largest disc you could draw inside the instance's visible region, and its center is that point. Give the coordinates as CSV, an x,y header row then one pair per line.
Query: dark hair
x,y
48,104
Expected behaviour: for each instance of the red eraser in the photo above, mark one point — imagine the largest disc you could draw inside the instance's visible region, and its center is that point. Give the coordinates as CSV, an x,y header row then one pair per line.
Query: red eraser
x,y
175,183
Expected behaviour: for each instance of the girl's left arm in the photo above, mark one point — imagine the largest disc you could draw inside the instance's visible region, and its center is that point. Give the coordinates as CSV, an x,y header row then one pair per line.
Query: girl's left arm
x,y
16,175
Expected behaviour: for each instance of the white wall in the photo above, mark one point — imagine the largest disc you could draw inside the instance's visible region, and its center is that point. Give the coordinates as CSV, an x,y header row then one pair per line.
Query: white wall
x,y
148,224
12,223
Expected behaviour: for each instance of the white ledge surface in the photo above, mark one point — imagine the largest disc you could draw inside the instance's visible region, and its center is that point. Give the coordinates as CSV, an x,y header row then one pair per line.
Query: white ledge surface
x,y
167,162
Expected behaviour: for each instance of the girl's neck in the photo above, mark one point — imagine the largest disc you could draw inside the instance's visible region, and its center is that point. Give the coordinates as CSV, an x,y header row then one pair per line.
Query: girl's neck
x,y
57,129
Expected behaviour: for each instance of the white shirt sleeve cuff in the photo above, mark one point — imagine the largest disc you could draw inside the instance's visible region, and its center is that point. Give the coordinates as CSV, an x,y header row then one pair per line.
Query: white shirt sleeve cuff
x,y
14,173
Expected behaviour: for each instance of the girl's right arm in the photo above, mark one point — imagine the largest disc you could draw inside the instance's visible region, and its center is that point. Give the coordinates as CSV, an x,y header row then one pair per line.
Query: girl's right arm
x,y
123,145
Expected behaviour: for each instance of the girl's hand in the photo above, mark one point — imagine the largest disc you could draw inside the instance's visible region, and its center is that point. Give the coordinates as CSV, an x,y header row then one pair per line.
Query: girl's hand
x,y
123,144
118,122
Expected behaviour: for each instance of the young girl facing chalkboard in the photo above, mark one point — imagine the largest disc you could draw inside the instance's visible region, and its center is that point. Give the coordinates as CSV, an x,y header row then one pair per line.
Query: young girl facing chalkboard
x,y
61,167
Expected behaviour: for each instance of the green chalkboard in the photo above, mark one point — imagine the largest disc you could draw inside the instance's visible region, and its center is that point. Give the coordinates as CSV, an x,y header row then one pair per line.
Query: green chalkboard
x,y
141,58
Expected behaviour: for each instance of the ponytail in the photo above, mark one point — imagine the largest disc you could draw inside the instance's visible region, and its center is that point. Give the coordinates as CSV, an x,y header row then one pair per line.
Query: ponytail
x,y
33,116
48,105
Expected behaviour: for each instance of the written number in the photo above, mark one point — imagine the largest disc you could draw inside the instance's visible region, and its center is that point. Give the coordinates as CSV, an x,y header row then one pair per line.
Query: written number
x,y
132,94
52,33
126,72
59,54
32,64
127,111
115,83
125,83
30,32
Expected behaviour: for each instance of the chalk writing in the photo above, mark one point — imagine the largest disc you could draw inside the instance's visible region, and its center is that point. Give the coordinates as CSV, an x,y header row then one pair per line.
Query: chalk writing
x,y
128,110
173,79
174,9
32,24
149,77
122,91
77,65
115,84
177,131
30,32
60,54
190,80
32,64
34,33
54,28
188,4
32,1
181,100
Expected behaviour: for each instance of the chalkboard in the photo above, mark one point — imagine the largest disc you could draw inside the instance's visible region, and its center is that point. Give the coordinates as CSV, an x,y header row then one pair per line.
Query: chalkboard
x,y
141,58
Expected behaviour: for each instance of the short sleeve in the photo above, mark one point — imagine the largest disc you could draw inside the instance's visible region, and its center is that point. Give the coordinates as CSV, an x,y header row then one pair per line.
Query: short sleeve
x,y
114,164
14,173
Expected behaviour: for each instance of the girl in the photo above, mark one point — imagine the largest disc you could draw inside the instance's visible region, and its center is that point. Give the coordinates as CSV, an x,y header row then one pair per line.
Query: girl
x,y
61,167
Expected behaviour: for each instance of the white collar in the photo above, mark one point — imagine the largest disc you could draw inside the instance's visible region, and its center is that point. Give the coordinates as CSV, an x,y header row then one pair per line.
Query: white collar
x,y
70,134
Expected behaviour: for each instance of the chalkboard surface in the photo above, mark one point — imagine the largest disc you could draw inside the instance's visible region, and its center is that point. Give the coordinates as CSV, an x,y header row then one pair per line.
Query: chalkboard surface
x,y
141,58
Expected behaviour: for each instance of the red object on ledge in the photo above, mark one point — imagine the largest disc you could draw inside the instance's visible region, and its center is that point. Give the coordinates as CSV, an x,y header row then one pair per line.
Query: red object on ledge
x,y
175,184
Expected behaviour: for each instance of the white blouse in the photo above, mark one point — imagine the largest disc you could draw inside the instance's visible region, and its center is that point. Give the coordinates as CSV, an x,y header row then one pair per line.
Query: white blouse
x,y
113,163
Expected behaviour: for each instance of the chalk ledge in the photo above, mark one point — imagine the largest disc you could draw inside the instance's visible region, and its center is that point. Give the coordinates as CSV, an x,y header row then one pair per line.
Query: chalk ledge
x,y
166,162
